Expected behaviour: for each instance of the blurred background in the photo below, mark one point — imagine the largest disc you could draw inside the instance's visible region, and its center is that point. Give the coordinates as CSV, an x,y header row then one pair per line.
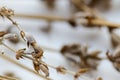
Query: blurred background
x,y
59,34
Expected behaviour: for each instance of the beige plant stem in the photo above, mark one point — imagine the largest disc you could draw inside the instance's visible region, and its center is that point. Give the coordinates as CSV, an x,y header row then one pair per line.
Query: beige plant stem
x,y
7,78
96,22
46,17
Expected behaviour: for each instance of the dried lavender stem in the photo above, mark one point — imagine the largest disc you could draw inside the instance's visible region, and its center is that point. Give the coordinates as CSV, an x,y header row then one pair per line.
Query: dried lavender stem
x,y
8,47
30,58
7,78
93,21
22,66
46,17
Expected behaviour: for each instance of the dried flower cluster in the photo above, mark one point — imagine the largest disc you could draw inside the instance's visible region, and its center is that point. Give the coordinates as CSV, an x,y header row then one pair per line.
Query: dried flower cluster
x,y
87,59
115,58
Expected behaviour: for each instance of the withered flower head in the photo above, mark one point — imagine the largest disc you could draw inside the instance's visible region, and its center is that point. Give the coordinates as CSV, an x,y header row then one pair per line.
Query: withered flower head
x,y
40,66
20,53
115,58
87,59
80,72
4,12
61,69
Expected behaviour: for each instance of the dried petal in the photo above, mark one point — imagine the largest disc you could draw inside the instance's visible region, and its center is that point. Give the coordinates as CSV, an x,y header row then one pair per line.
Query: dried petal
x,y
36,65
20,53
38,51
22,34
44,69
61,69
100,78
4,12
81,71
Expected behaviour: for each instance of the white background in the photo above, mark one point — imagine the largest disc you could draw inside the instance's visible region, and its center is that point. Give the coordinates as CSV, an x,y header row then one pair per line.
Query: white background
x,y
62,33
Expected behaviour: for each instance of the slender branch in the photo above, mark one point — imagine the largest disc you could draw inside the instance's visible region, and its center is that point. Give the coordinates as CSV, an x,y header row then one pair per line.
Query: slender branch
x,y
7,78
96,21
48,17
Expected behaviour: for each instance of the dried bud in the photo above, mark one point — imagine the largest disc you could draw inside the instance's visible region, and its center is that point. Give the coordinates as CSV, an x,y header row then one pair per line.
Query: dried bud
x,y
87,59
38,52
61,69
81,71
36,65
44,69
22,34
30,39
115,58
4,12
99,78
72,23
20,53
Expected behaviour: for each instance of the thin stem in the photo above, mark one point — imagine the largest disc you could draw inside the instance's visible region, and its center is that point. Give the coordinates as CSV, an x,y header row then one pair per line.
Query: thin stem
x,y
7,78
8,47
96,21
46,17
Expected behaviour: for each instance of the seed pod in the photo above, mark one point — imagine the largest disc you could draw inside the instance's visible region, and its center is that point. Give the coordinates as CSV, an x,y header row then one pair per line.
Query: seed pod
x,y
22,34
36,65
81,71
44,69
61,69
20,53
4,12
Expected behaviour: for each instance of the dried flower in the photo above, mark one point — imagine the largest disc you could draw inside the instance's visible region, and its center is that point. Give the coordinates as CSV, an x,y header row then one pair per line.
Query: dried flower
x,y
50,3
20,53
115,58
87,59
5,12
61,69
80,72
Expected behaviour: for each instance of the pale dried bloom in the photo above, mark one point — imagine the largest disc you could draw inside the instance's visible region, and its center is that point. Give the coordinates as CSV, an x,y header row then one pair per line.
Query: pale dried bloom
x,y
115,58
5,12
87,59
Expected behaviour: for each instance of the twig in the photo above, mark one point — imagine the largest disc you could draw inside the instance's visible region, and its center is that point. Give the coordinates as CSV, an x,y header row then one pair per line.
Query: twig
x,y
46,17
96,22
7,78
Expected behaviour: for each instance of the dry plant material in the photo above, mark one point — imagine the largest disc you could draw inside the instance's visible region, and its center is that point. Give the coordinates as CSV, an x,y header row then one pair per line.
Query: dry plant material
x,y
13,40
99,78
100,4
115,58
87,59
115,39
61,69
7,78
31,42
50,3
11,74
80,72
